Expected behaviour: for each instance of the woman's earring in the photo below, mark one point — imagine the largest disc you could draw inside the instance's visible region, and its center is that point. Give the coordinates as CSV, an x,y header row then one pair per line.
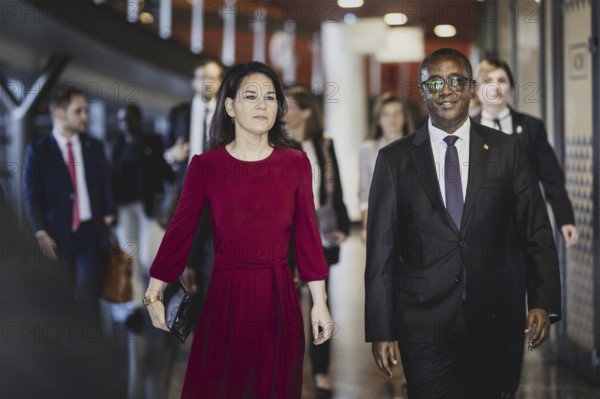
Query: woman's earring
x,y
232,120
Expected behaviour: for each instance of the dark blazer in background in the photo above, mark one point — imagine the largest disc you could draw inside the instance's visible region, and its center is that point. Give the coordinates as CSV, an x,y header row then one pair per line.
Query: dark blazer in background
x,y
179,128
416,257
49,192
202,253
341,212
532,133
153,168
49,195
2,197
332,172
179,123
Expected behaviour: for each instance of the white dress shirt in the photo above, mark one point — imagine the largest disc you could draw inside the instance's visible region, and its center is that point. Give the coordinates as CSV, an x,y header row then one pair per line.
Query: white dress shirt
x,y
438,146
504,117
200,119
85,209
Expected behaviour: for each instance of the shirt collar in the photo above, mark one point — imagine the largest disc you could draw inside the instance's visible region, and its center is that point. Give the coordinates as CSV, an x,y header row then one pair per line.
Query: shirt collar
x,y
502,115
381,141
463,132
62,140
199,100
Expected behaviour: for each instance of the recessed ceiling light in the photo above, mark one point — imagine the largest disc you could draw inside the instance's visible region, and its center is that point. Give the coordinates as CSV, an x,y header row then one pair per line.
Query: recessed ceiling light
x,y
444,30
395,18
350,3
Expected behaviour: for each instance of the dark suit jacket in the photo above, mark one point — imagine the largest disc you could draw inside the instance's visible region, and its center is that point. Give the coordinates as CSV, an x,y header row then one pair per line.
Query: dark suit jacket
x,y
153,168
416,256
49,191
202,252
179,128
179,123
332,172
532,133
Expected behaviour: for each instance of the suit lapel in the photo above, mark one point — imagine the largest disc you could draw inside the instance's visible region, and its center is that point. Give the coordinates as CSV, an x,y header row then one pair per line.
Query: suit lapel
x,y
477,159
86,148
57,156
422,158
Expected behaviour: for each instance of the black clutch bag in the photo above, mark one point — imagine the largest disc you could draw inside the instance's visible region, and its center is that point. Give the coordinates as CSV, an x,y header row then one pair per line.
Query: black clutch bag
x,y
332,253
179,308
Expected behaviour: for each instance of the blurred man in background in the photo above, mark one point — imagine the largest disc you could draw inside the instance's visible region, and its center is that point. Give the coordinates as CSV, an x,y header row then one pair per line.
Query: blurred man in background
x,y
69,197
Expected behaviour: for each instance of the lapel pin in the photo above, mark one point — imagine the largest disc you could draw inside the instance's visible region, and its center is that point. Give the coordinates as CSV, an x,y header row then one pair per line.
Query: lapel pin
x,y
485,147
519,129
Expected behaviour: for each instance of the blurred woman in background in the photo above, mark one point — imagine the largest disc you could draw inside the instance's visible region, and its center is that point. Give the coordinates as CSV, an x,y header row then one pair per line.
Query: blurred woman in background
x,y
305,123
391,120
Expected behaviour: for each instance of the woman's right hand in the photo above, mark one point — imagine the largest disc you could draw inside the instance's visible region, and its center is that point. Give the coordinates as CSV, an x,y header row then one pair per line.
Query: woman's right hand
x,y
156,309
157,315
322,324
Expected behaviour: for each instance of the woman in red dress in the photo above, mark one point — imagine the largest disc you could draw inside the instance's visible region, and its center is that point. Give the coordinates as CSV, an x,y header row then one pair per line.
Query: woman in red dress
x,y
250,339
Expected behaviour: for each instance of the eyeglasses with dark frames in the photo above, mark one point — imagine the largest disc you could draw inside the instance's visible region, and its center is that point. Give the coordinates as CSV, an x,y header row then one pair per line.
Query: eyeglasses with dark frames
x,y
436,85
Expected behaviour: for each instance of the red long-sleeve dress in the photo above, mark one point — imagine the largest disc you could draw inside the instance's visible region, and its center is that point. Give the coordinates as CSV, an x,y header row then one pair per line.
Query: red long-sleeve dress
x,y
250,338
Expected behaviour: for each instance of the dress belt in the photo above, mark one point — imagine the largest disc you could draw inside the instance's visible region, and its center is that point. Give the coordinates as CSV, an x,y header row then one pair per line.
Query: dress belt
x,y
224,263
281,273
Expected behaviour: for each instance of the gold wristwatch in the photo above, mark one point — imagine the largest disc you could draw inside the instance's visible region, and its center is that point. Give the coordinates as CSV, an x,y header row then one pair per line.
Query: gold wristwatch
x,y
148,300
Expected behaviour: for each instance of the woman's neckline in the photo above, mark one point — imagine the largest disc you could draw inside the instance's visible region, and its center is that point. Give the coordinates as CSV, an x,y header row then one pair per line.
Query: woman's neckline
x,y
241,160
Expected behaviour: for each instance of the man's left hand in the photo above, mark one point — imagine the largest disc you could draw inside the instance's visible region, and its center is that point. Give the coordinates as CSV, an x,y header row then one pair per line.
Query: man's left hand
x,y
570,234
109,220
538,327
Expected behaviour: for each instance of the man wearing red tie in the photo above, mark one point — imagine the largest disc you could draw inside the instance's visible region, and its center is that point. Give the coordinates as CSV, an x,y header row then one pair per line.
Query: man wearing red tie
x,y
68,195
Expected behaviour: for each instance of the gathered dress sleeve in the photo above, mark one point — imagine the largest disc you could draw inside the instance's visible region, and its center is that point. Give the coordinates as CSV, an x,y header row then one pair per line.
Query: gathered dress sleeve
x,y
175,247
310,258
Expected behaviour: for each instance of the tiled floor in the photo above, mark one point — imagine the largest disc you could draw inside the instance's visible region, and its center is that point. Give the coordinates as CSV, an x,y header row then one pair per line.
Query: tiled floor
x,y
355,375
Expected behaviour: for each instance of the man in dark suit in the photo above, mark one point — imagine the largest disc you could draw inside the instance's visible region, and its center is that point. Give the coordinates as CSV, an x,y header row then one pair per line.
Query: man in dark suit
x,y
189,122
439,277
139,169
188,136
494,91
69,197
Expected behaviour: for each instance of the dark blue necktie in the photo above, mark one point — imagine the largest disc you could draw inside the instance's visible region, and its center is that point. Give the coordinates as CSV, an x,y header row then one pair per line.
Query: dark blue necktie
x,y
453,183
454,193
